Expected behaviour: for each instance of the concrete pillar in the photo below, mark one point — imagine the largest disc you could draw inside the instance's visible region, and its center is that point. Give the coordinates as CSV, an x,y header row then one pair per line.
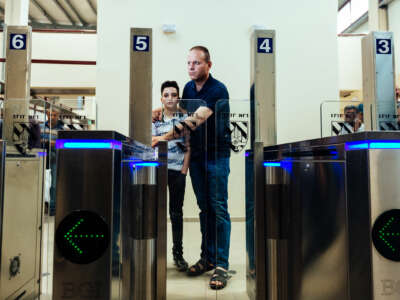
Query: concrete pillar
x,y
17,12
377,17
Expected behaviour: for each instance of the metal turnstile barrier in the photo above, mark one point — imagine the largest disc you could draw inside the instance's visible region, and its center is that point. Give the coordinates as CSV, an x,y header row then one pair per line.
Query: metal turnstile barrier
x,y
140,220
332,225
108,202
21,180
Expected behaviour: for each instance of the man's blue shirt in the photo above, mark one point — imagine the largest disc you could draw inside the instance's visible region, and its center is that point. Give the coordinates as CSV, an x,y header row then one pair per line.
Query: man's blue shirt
x,y
217,136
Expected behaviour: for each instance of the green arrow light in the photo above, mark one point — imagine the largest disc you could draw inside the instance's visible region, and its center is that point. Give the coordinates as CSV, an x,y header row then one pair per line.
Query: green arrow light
x,y
73,239
382,233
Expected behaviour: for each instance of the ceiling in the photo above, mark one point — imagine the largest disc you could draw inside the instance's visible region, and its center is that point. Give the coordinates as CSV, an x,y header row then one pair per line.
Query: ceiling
x,y
66,14
60,14
341,2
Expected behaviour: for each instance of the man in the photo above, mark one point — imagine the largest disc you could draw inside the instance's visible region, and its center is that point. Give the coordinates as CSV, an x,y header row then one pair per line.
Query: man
x,y
209,164
49,135
351,123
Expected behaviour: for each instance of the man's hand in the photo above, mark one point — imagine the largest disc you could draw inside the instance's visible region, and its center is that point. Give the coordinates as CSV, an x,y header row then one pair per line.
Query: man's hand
x,y
156,114
357,124
156,139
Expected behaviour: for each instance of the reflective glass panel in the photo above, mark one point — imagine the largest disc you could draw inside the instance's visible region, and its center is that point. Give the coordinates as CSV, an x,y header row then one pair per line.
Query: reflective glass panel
x,y
56,114
230,171
341,117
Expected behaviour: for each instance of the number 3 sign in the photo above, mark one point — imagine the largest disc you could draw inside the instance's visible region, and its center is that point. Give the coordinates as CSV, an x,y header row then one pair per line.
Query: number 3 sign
x,y
17,41
265,45
141,43
383,46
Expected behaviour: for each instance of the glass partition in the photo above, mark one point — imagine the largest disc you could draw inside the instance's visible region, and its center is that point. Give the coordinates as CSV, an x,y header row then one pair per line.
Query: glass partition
x,y
187,228
341,117
386,121
234,230
54,115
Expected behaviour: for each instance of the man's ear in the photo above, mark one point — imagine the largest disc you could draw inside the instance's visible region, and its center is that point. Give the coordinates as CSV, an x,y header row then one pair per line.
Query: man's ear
x,y
210,64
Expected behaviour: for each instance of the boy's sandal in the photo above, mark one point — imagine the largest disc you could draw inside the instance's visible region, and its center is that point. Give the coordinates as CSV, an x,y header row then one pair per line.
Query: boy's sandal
x,y
219,279
199,268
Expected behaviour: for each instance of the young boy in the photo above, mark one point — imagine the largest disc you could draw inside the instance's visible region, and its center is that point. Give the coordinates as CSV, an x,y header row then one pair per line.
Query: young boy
x,y
178,164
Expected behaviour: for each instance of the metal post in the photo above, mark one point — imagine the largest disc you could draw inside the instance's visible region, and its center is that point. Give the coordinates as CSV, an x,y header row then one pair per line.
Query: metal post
x,y
379,81
17,82
162,180
260,230
143,234
263,47
140,102
263,81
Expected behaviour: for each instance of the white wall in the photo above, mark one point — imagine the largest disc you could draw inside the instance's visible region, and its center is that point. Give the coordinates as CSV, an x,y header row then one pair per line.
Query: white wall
x,y
350,63
306,53
307,72
62,46
394,26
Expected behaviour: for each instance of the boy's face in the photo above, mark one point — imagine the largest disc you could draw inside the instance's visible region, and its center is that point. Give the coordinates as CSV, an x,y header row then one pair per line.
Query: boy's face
x,y
170,98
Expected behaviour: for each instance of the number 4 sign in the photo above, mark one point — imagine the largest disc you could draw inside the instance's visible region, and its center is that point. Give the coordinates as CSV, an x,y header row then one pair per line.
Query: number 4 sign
x,y
17,41
265,45
141,43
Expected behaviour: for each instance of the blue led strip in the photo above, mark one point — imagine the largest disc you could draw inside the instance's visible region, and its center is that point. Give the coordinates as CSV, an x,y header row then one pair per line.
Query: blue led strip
x,y
144,164
88,144
373,144
272,164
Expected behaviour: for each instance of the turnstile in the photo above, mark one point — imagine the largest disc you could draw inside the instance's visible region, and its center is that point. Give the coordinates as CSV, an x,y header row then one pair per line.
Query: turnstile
x,y
21,180
332,226
106,219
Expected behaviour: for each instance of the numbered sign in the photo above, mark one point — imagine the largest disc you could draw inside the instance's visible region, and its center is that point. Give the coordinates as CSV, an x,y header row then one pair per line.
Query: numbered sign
x,y
141,43
265,45
383,46
17,41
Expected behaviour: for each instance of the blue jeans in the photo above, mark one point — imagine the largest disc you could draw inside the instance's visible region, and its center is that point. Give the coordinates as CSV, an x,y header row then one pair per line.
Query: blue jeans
x,y
210,185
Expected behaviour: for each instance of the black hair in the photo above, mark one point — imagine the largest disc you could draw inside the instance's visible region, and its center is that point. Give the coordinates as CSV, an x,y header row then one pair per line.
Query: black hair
x,y
348,107
167,84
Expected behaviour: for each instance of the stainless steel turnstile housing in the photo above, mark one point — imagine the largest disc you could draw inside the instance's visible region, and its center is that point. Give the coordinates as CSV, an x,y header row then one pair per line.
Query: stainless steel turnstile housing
x,y
332,226
21,192
107,232
88,182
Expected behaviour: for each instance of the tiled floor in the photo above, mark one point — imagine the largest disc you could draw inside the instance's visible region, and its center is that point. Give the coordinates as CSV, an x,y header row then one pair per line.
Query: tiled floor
x,y
179,286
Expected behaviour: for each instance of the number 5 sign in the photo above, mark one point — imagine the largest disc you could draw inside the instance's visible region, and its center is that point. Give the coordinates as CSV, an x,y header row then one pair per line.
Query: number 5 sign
x,y
265,45
17,41
141,43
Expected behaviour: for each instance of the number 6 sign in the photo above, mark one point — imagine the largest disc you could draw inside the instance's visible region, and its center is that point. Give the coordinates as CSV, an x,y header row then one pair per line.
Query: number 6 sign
x,y
141,43
17,41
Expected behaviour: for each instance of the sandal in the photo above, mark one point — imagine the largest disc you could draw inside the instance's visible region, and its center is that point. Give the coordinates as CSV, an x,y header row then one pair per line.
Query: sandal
x,y
199,268
219,279
180,263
